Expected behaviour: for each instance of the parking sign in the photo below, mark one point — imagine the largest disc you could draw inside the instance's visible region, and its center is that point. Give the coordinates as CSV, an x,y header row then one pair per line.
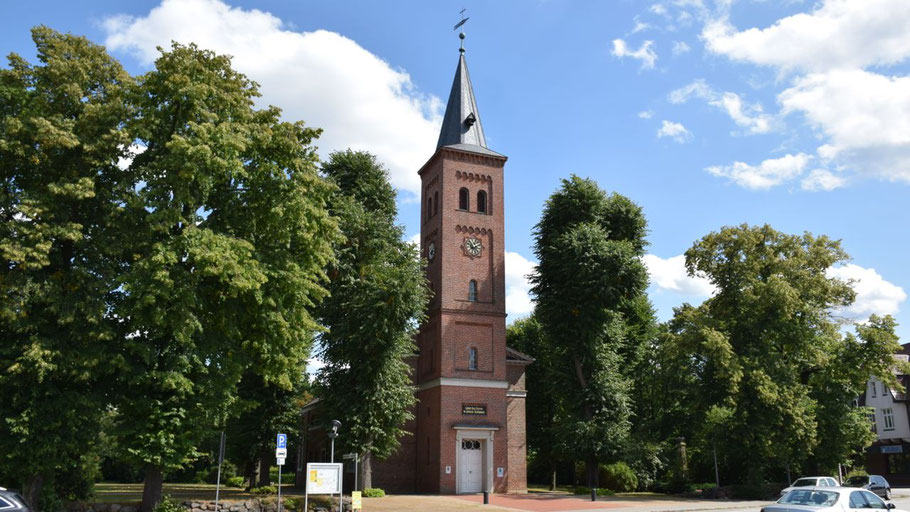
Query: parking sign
x,y
282,441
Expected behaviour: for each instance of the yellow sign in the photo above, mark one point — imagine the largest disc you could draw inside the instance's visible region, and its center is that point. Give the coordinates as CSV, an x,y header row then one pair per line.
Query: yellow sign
x,y
313,474
356,501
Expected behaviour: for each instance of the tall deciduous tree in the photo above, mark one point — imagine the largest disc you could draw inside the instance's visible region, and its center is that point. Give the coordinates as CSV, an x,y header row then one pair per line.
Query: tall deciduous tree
x,y
763,370
61,135
378,296
588,281
225,241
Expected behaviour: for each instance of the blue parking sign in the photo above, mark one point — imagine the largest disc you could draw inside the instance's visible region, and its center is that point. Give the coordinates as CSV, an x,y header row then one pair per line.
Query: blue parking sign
x,y
282,440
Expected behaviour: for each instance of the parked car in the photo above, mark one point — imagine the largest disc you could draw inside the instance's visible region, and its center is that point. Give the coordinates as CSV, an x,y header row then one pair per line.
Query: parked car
x,y
828,499
874,483
811,481
11,501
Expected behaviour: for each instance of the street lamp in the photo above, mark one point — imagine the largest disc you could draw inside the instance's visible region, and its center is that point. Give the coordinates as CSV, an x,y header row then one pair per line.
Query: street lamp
x,y
333,433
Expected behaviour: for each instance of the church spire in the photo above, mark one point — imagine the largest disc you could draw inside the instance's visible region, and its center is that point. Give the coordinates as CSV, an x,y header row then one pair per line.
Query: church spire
x,y
461,123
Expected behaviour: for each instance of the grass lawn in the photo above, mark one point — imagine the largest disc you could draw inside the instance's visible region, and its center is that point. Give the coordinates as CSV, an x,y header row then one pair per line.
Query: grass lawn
x,y
106,492
568,489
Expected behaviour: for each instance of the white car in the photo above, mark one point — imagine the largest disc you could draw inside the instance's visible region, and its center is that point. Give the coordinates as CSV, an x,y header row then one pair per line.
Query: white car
x,y
844,499
811,481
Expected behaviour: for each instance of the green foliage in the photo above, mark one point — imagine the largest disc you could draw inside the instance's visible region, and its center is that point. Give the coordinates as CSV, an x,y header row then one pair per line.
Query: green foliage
x,y
168,505
265,490
618,477
378,295
148,290
590,284
286,476
291,504
760,370
580,489
856,472
234,481
373,492
61,134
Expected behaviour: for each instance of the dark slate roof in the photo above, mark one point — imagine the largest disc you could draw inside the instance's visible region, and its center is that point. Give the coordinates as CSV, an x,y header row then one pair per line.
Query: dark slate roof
x,y
461,123
514,356
472,148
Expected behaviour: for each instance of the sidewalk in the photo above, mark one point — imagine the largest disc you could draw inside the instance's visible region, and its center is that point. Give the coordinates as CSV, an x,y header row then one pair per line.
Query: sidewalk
x,y
548,502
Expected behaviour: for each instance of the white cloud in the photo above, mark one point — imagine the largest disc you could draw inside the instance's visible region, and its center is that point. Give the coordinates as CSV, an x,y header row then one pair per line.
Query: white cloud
x,y
767,174
518,288
640,26
874,295
124,162
837,34
645,54
676,131
864,116
313,365
321,77
822,179
680,47
749,116
646,114
658,9
670,274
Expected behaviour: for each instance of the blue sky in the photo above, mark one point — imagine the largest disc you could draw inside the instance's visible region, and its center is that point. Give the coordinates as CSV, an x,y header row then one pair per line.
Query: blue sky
x,y
706,113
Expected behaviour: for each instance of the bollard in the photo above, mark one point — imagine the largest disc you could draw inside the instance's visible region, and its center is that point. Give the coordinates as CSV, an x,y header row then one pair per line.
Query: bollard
x,y
593,493
486,497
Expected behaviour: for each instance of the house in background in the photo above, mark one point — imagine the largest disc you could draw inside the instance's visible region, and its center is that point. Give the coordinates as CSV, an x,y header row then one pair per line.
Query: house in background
x,y
889,455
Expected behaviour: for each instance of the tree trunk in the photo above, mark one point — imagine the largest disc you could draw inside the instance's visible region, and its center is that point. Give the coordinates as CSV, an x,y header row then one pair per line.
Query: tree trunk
x,y
366,471
252,471
553,479
592,471
264,466
32,492
151,488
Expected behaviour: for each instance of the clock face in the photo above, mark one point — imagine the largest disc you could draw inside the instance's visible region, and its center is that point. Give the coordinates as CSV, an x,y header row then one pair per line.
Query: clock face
x,y
472,247
431,251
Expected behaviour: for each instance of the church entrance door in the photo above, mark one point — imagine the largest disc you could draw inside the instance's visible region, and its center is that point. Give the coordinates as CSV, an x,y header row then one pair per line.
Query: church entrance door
x,y
471,465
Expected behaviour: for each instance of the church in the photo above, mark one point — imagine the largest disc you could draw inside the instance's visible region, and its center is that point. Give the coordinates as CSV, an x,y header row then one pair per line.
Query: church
x,y
468,432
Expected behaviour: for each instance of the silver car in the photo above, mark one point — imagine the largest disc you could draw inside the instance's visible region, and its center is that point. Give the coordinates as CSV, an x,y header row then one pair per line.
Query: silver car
x,y
844,499
811,481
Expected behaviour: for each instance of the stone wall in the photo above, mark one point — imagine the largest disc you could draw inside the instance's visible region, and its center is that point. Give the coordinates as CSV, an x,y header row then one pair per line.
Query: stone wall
x,y
270,504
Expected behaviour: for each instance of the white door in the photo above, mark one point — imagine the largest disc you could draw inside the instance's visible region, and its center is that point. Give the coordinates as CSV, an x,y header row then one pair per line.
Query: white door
x,y
471,465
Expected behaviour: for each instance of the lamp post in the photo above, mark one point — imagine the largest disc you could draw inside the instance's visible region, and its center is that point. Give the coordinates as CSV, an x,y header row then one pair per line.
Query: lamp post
x,y
333,433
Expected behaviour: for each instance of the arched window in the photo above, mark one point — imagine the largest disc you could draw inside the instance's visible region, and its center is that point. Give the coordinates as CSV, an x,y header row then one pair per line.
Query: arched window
x,y
472,291
482,201
435,203
463,199
429,207
472,359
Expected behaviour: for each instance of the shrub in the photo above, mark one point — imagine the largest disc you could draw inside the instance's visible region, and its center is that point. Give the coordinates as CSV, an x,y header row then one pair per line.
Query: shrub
x,y
601,491
287,477
234,481
292,504
618,477
264,490
373,492
168,505
856,472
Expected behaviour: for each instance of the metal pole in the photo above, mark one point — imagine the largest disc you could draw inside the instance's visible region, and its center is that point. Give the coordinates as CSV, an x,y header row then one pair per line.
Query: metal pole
x,y
332,460
218,478
279,488
716,472
356,456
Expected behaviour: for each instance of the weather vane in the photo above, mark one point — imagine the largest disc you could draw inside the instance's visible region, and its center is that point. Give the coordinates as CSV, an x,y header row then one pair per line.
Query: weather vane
x,y
460,23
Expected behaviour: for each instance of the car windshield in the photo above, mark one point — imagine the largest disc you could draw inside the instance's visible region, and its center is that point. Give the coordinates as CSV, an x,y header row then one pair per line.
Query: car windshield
x,y
856,481
807,497
804,482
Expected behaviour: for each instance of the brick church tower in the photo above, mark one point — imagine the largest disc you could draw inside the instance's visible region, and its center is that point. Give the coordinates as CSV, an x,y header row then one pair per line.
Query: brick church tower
x,y
470,418
468,431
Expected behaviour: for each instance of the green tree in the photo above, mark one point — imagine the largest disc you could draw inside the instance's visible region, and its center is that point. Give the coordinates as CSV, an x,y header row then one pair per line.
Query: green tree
x,y
761,368
378,296
61,135
526,335
262,410
225,239
589,285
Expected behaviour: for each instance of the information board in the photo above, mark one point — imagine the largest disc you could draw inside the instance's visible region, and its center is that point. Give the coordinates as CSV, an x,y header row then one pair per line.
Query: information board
x,y
323,478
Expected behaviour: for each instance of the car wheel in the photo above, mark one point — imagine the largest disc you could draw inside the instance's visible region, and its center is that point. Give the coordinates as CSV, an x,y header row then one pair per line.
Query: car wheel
x,y
888,494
